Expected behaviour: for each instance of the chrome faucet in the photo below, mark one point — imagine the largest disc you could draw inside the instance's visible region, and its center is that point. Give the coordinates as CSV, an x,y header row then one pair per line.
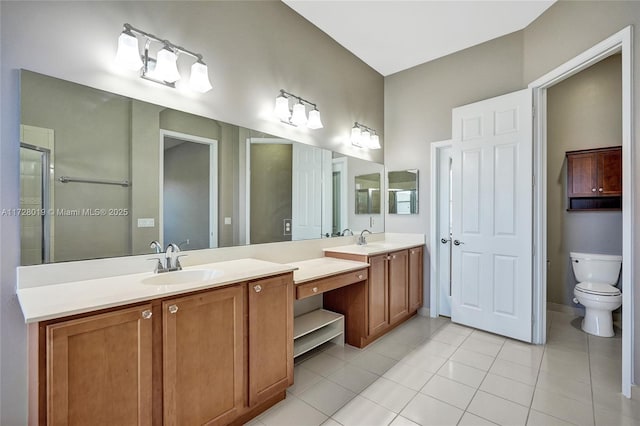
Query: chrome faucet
x,y
171,260
172,257
345,231
361,239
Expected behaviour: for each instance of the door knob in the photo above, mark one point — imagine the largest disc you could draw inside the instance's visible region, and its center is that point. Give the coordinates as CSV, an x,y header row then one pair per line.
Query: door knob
x,y
445,240
457,243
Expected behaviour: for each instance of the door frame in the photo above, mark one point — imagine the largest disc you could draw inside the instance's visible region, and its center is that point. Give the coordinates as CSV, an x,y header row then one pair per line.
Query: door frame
x,y
434,237
621,42
213,183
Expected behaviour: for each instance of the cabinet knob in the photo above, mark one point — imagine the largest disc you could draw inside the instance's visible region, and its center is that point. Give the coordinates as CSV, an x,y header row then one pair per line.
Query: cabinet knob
x,y
146,314
600,189
173,309
394,256
360,276
315,289
413,252
593,190
257,288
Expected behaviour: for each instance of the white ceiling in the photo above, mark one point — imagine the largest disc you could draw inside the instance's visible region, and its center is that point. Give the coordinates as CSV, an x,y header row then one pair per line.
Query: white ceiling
x,y
391,36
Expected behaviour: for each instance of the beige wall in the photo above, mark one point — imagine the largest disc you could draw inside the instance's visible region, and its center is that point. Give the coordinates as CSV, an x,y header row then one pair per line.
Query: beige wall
x,y
418,105
253,49
583,112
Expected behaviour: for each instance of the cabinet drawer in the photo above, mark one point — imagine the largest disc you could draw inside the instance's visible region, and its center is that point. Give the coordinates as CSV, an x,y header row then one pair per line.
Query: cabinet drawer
x,y
331,283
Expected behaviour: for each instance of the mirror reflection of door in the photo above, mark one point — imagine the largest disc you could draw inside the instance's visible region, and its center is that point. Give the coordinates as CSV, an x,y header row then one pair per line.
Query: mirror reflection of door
x,y
339,213
34,201
189,191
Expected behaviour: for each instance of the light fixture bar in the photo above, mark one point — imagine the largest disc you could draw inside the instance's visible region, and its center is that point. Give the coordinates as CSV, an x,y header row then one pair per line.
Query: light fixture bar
x,y
358,138
303,100
154,37
297,116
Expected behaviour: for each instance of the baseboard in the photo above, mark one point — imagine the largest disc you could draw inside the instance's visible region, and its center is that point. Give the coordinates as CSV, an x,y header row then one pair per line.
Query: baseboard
x,y
558,307
424,312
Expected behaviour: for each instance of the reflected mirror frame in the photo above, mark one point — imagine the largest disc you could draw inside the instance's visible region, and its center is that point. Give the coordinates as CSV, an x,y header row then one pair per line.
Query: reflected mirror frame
x,y
412,202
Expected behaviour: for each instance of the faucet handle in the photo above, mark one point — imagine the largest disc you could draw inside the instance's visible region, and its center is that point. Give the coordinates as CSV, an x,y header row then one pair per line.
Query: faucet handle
x,y
159,266
178,265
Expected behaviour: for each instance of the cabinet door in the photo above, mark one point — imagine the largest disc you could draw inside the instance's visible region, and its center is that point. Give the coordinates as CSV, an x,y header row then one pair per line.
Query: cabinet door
x,y
270,337
203,357
377,294
398,286
99,369
610,172
415,278
582,175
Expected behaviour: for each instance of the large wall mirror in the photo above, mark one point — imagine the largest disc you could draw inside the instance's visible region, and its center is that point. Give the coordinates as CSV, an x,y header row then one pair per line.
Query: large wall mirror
x,y
103,175
403,192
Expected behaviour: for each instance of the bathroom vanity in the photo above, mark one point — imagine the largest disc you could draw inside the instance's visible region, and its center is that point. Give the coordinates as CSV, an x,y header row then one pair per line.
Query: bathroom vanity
x,y
391,294
213,343
217,352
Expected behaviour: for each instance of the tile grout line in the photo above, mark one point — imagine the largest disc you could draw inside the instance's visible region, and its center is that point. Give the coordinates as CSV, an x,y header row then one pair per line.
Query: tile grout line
x,y
483,379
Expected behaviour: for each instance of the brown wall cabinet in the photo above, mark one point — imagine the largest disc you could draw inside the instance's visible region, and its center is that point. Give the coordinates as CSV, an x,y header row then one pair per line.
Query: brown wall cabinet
x,y
594,179
391,294
212,357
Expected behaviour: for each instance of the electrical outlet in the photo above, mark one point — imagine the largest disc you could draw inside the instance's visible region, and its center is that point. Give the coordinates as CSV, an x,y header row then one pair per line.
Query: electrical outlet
x,y
287,226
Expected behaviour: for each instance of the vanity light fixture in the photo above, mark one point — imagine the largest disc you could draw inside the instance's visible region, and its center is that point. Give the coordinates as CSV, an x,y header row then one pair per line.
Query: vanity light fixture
x,y
297,116
164,68
364,137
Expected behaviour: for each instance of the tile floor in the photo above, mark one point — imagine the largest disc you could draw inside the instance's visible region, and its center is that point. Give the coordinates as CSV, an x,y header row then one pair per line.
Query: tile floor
x,y
433,372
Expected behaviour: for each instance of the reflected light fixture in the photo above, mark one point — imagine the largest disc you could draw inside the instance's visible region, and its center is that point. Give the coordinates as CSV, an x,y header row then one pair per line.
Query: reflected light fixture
x,y
163,68
296,116
364,137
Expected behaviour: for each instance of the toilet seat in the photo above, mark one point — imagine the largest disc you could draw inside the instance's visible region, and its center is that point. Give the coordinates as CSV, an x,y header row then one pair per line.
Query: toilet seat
x,y
597,289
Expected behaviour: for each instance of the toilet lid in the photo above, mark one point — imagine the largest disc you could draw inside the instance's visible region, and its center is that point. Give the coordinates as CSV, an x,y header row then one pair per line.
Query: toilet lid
x,y
598,288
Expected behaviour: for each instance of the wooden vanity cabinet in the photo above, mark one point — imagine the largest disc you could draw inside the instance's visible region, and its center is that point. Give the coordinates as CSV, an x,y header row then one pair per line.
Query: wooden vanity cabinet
x,y
398,284
203,357
270,338
393,293
94,370
416,271
213,357
377,293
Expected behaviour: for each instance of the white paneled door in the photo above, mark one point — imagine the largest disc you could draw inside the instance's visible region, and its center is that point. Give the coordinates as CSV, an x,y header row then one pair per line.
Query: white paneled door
x,y
492,215
309,189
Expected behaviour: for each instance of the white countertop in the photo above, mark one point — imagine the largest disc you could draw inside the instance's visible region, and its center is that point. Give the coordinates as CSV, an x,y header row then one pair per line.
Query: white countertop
x,y
374,247
56,301
309,270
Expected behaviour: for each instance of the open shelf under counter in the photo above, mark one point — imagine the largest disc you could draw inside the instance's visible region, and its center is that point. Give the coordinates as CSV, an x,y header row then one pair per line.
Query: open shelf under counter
x,y
312,329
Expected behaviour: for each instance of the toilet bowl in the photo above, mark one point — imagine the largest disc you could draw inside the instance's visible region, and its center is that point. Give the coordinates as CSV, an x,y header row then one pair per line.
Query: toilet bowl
x,y
597,274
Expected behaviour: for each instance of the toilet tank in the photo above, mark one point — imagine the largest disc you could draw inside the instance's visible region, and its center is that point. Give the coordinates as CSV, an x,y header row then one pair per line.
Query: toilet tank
x,y
597,268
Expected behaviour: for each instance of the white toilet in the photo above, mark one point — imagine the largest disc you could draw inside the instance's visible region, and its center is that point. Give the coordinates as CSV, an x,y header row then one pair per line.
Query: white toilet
x,y
597,274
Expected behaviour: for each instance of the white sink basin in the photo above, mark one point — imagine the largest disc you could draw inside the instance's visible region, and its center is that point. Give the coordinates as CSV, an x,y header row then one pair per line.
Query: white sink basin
x,y
185,276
